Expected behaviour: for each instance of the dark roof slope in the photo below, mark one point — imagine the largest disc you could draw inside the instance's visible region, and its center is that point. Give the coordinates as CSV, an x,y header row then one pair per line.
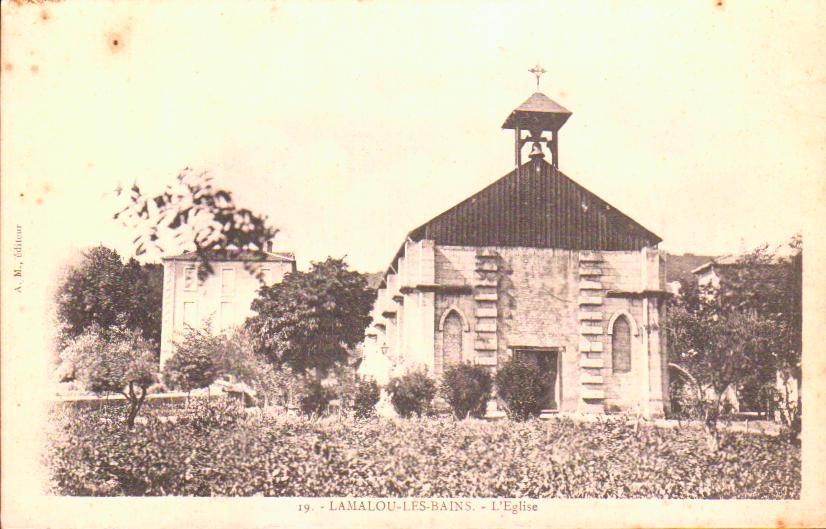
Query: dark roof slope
x,y
536,206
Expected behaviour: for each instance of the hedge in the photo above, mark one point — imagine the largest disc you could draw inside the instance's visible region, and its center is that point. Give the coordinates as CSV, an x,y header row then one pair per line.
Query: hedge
x,y
231,454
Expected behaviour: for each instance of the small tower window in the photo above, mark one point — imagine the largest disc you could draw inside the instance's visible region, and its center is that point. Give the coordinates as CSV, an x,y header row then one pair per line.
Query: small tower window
x,y
621,345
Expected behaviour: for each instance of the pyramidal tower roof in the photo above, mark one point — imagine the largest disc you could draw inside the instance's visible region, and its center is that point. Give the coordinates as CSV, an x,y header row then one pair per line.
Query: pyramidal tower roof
x,y
538,112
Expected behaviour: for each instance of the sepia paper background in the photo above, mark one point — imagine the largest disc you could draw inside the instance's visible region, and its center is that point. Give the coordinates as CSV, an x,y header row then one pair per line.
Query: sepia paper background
x,y
349,123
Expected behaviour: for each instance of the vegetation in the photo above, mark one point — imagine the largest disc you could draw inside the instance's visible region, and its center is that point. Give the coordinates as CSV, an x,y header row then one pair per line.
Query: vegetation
x,y
467,389
411,394
102,291
118,360
311,321
193,212
213,450
367,395
194,363
739,336
314,396
522,386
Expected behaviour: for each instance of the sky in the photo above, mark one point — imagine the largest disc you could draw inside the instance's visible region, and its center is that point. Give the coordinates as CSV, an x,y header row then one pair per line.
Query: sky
x,y
351,123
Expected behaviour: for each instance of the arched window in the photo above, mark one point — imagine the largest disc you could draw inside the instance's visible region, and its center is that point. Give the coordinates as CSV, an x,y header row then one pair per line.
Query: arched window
x,y
452,349
621,345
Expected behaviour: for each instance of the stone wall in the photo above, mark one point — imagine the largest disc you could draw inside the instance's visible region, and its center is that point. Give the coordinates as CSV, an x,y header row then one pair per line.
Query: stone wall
x,y
512,298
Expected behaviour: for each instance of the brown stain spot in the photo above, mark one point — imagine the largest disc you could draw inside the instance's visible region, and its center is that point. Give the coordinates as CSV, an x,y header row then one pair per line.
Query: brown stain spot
x,y
44,15
38,201
780,523
22,195
8,67
34,68
47,187
719,3
115,42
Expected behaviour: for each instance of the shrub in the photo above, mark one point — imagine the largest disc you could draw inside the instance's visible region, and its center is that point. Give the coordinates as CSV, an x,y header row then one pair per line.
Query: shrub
x,y
194,363
314,397
411,393
93,455
522,386
366,397
467,388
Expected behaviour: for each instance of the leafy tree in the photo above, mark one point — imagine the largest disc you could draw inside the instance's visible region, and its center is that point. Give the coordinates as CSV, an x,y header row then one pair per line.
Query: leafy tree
x,y
102,291
467,388
114,360
311,320
194,363
740,335
193,212
522,386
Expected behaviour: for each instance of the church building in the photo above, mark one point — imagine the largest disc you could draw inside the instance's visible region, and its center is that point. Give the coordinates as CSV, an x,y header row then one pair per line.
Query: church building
x,y
537,267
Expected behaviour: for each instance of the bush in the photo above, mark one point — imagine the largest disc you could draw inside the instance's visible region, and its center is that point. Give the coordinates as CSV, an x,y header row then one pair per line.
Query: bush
x,y
411,393
93,455
522,386
314,397
467,388
366,397
194,363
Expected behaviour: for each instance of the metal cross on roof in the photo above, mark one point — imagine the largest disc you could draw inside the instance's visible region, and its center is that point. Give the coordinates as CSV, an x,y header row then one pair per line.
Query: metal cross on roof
x,y
537,71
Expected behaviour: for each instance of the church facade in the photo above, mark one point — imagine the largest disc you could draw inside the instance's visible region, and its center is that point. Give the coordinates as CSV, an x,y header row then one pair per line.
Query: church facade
x,y
537,267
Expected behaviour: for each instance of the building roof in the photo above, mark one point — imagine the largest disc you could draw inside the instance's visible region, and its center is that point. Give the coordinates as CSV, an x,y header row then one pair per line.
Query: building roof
x,y
724,260
536,206
681,267
538,112
236,255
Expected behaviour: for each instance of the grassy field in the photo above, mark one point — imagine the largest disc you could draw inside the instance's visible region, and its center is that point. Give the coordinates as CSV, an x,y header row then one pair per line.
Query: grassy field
x,y
212,450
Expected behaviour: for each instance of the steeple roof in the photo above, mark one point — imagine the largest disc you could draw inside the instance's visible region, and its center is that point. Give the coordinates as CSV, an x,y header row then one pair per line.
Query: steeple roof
x,y
538,112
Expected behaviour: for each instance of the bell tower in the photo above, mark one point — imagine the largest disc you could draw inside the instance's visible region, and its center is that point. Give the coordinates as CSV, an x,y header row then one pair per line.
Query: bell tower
x,y
537,115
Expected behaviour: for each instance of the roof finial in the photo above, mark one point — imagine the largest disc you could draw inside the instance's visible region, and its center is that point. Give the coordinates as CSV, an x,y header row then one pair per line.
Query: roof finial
x,y
537,71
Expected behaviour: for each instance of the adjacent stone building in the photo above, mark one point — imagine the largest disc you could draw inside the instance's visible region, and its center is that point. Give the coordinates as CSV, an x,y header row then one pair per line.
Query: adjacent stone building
x,y
225,296
536,266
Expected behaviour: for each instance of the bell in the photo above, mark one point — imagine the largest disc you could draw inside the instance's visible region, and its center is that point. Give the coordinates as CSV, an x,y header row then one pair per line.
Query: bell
x,y
536,151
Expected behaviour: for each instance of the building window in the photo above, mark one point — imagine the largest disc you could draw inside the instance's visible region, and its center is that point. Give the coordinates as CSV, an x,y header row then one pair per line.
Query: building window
x,y
190,279
189,313
227,281
227,315
452,349
621,345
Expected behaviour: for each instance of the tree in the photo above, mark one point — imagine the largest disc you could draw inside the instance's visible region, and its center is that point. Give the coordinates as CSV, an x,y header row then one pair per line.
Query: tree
x,y
194,363
193,212
102,291
740,335
115,360
311,320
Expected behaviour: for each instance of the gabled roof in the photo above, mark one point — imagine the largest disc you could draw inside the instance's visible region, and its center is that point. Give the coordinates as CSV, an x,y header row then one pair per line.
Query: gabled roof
x,y
537,206
235,255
